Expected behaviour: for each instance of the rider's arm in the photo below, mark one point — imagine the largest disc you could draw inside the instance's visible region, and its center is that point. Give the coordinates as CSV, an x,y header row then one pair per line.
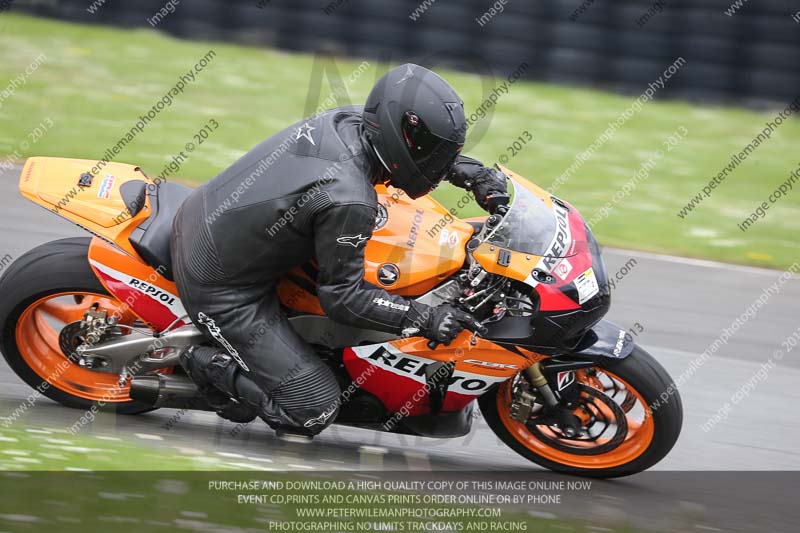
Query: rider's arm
x,y
340,234
470,174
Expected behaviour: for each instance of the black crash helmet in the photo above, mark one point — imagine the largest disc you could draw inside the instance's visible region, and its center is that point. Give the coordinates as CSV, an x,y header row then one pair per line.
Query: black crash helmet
x,y
415,122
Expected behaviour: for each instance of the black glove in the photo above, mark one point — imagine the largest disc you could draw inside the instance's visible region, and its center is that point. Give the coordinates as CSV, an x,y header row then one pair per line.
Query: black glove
x,y
440,324
488,182
483,182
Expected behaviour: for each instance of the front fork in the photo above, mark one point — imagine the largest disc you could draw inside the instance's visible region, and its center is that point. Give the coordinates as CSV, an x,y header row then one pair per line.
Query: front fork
x,y
557,404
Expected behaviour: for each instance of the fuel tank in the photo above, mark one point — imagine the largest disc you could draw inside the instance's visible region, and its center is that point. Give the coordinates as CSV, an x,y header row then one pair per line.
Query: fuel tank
x,y
415,245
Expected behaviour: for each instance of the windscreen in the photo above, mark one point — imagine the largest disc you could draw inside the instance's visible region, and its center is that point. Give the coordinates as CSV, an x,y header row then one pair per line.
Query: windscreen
x,y
538,226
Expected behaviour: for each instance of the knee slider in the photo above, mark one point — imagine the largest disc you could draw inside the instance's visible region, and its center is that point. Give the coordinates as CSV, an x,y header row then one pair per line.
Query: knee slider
x,y
311,397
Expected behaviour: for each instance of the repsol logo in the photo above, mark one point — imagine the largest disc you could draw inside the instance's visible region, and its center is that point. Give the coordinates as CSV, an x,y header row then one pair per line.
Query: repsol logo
x,y
152,291
415,368
561,239
414,233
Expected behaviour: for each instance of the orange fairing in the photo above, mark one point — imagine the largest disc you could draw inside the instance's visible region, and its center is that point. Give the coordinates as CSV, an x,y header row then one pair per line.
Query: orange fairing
x,y
397,370
52,182
419,240
483,357
296,297
519,266
143,290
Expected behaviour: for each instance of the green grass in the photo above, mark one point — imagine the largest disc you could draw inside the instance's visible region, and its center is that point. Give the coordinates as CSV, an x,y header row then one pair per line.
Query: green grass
x,y
85,483
137,501
97,81
40,449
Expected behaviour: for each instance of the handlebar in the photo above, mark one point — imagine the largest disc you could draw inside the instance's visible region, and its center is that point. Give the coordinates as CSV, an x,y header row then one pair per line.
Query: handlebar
x,y
497,203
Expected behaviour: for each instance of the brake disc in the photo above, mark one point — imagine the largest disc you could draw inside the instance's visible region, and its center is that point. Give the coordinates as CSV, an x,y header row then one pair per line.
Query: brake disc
x,y
72,336
617,425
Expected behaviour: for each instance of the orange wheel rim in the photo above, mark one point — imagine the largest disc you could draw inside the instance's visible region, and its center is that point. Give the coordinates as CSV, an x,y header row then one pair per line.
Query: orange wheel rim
x,y
37,341
640,424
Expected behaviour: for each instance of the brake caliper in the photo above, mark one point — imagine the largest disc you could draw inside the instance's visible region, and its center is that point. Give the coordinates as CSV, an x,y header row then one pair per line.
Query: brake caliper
x,y
95,324
522,402
93,329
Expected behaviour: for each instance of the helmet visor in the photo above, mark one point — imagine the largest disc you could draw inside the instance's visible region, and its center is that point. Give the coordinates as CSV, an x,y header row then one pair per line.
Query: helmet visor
x,y
433,155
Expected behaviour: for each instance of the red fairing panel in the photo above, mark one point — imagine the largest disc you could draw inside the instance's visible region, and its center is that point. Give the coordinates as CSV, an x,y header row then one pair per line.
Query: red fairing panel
x,y
154,304
567,269
398,379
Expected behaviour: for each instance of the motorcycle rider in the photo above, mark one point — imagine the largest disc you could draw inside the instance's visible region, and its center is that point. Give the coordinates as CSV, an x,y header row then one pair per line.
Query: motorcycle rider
x,y
307,193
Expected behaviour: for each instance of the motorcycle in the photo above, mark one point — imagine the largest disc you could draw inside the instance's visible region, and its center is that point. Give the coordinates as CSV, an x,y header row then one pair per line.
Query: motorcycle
x,y
100,320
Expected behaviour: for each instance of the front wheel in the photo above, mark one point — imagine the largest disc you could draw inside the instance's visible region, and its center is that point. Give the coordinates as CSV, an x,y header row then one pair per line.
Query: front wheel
x,y
630,413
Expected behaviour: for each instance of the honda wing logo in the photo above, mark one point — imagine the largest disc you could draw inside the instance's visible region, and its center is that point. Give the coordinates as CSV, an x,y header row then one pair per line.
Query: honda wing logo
x,y
353,240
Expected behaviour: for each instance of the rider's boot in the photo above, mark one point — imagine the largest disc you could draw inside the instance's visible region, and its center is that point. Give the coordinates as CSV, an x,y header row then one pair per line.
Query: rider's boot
x,y
235,396
208,367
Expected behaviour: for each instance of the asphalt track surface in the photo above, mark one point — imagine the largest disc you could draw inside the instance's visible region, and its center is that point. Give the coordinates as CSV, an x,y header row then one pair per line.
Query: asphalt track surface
x,y
681,306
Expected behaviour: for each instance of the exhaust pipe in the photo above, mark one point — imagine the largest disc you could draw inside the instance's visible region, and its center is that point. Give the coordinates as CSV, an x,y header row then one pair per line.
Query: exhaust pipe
x,y
165,390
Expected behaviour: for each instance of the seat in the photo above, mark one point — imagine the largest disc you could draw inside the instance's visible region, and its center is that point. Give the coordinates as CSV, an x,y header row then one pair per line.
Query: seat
x,y
152,237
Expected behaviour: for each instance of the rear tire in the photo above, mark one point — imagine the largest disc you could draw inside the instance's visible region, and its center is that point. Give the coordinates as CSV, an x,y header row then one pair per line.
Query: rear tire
x,y
644,375
53,268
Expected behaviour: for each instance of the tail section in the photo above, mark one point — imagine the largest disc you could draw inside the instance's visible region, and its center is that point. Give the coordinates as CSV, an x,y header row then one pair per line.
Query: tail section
x,y
109,204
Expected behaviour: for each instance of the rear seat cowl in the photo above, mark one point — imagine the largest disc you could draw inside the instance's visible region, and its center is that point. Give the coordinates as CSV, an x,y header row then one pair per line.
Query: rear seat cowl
x,y
133,194
151,239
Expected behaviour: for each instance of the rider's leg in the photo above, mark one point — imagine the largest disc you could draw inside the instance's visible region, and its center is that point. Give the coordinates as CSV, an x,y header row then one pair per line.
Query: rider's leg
x,y
264,364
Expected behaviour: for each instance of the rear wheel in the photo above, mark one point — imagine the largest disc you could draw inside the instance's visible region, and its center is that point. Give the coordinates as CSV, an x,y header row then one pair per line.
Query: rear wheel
x,y
45,293
626,424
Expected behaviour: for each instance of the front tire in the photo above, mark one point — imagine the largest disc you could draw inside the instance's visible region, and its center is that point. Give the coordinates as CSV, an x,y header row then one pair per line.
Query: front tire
x,y
650,436
50,285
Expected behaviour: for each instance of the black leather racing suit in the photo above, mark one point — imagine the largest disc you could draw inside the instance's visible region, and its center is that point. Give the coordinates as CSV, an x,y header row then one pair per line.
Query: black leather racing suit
x,y
304,193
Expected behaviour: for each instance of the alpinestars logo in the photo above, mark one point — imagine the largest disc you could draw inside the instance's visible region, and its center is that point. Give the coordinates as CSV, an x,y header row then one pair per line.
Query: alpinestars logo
x,y
388,303
408,75
321,419
215,332
305,132
353,240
